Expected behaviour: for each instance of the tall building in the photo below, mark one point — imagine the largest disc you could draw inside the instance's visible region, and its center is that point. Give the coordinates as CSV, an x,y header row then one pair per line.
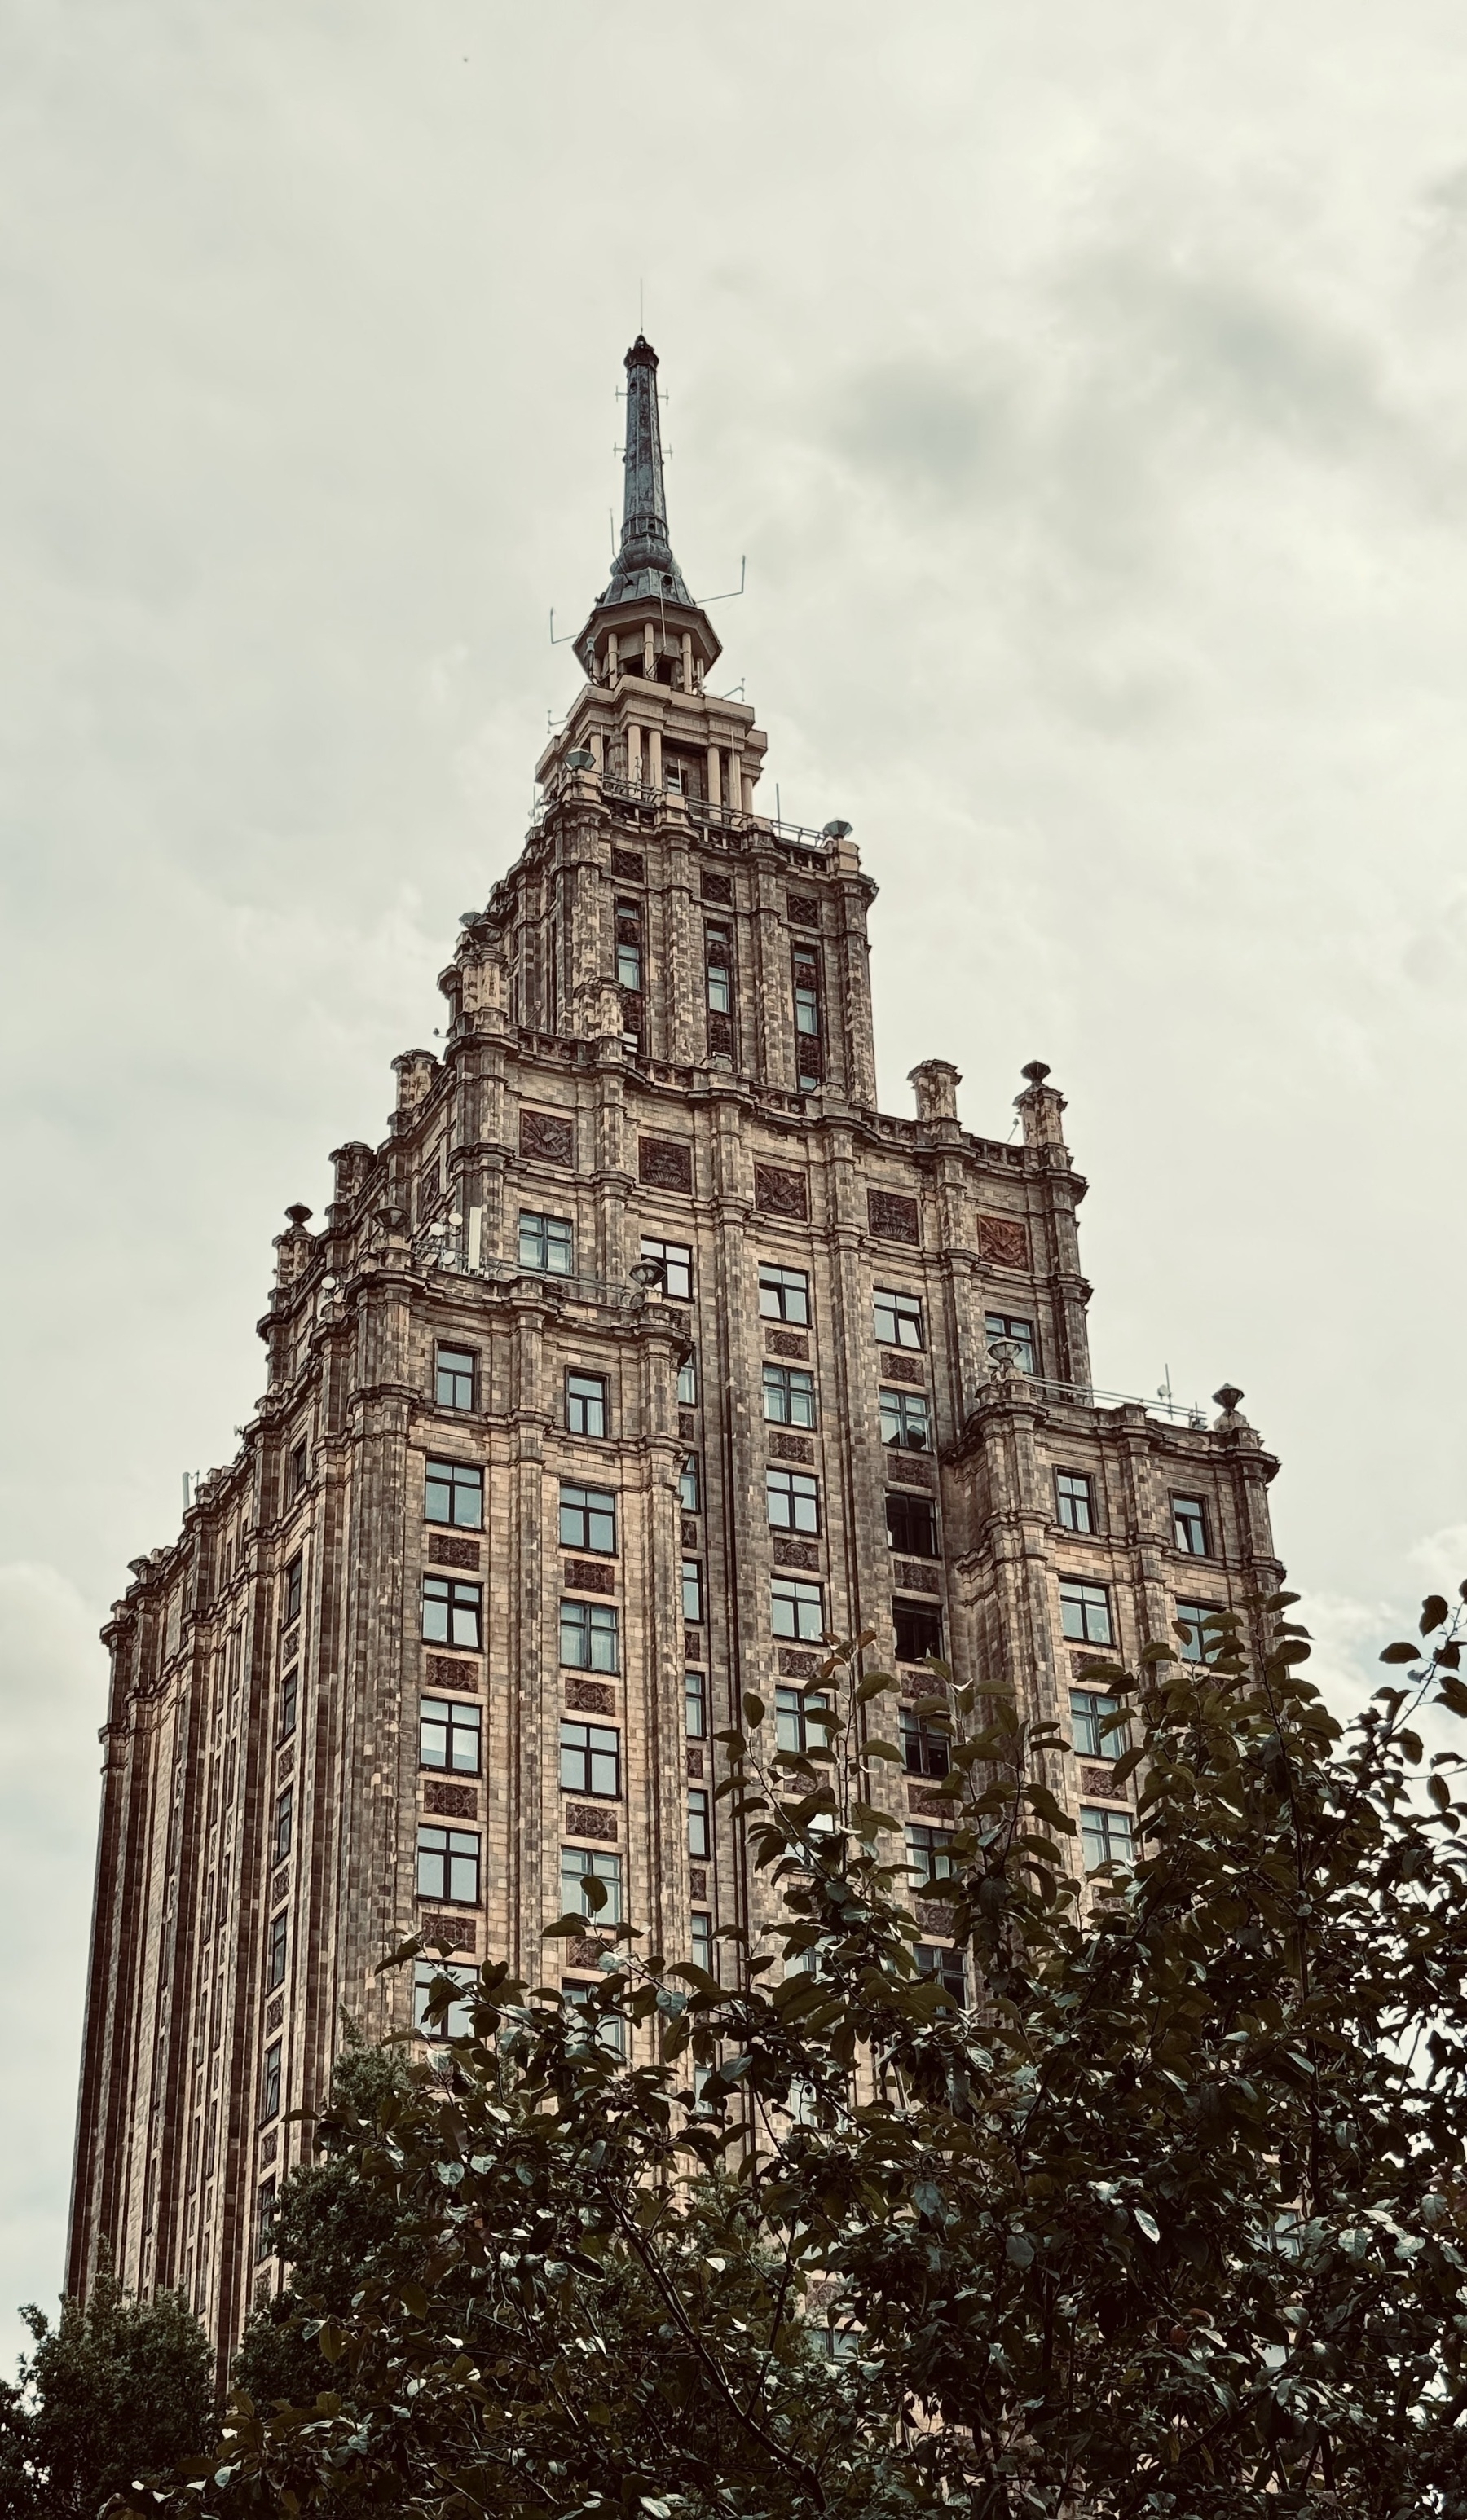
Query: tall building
x,y
643,1352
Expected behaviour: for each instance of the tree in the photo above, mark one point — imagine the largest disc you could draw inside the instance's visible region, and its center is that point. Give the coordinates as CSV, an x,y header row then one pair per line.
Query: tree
x,y
1170,2223
116,2387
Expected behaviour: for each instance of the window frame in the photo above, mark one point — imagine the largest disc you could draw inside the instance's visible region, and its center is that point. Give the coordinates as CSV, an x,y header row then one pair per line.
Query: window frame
x,y
783,1284
695,1702
790,1383
581,1864
906,1312
270,2083
454,1479
454,1374
907,1408
1094,1595
283,1824
1025,1333
693,1592
293,1589
457,2022
1190,1513
598,1757
277,1950
925,1750
700,1825
801,1598
1097,1822
589,1402
935,1846
677,1262
915,1502
1111,1742
906,1611
1194,1616
702,1949
540,1223
1081,1481
461,1715
596,1620
460,1847
288,1708
595,1509
944,1963
799,1487
690,1484
461,1602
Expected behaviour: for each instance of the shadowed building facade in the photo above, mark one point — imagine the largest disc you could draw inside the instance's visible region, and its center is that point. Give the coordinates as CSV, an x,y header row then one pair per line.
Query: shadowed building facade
x,y
643,1352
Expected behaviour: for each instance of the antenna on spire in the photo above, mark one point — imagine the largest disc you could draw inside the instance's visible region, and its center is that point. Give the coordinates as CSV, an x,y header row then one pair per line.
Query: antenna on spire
x,y
641,306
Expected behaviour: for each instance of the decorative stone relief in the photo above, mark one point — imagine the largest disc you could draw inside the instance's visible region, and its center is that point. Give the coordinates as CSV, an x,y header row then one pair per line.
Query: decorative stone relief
x,y
797,1666
900,1369
780,1192
285,1765
892,1216
665,1164
720,1035
687,1424
916,1575
909,1470
718,887
804,909
697,1880
695,1763
692,1538
797,1552
584,1954
791,1448
583,1575
442,1672
1003,1241
627,864
591,1697
692,1645
922,1684
583,1819
443,1550
269,2146
547,1137
1101,1780
460,1933
925,1800
274,2014
454,1802
786,1343
280,1885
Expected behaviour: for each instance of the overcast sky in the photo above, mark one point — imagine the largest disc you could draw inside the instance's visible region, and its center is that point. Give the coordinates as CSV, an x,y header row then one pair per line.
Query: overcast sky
x,y
1085,387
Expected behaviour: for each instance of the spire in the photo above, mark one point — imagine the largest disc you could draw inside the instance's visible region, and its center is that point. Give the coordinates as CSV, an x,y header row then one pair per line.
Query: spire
x,y
645,564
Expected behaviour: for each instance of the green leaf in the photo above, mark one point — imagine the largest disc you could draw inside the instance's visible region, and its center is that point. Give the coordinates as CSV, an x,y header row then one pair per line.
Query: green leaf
x,y
562,1929
1433,1613
1399,1653
753,1710
1146,2222
876,1684
867,1818
1018,2249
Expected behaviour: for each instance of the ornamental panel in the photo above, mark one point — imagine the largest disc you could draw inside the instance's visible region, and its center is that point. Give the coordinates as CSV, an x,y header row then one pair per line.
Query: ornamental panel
x,y
718,887
280,1885
455,1802
459,1933
692,1645
439,1671
547,1137
697,1880
695,1763
444,1551
791,1448
901,1368
804,909
692,1537
797,1666
780,1192
1102,1782
908,1472
927,1801
274,2014
786,1343
583,1575
892,1216
687,1424
916,1575
585,1819
797,1552
665,1164
591,1697
1003,1241
628,864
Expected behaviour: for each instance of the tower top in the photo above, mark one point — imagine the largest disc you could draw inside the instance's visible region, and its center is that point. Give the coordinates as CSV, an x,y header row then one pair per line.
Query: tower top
x,y
646,578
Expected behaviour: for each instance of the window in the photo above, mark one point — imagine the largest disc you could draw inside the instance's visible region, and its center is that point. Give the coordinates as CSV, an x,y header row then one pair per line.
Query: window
x,y
904,1422
783,1295
448,1863
912,1525
941,1961
453,1377
452,1612
798,1723
702,1940
630,945
689,1485
1086,1612
269,2101
264,2220
290,1688
1003,1325
928,1853
588,1636
1098,1728
692,1591
700,1831
806,973
925,1751
918,1631
275,1953
1073,1500
1105,1837
897,1318
456,2021
546,1244
450,1735
789,1396
677,1265
588,1519
590,1759
453,1493
1199,1641
580,1864
794,1608
285,1824
1189,1526
293,1582
297,1470
719,955
695,1702
687,1384
792,1501
585,1404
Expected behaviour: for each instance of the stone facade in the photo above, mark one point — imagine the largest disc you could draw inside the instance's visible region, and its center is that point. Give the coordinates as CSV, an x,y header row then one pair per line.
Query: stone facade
x,y
637,1254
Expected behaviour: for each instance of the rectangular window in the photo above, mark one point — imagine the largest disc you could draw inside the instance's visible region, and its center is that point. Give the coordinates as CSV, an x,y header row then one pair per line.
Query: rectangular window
x,y
588,1636
806,976
798,1723
628,966
453,1493
275,1947
796,1609
450,1735
546,1245
789,1396
452,1612
941,1961
676,1263
926,1750
918,1631
588,1519
692,1591
580,1864
695,1702
269,2102
702,1940
700,1831
448,1863
264,2220
590,1759
1105,1837
1003,1325
720,961
290,1689
792,1501
912,1525
897,1318
297,1470
687,1384
783,1295
456,2022
928,1853
1199,1641
1086,1612
294,1577
585,1404
285,1824
906,1422
1074,1501
453,1377
1096,1726
689,1485
1189,1526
